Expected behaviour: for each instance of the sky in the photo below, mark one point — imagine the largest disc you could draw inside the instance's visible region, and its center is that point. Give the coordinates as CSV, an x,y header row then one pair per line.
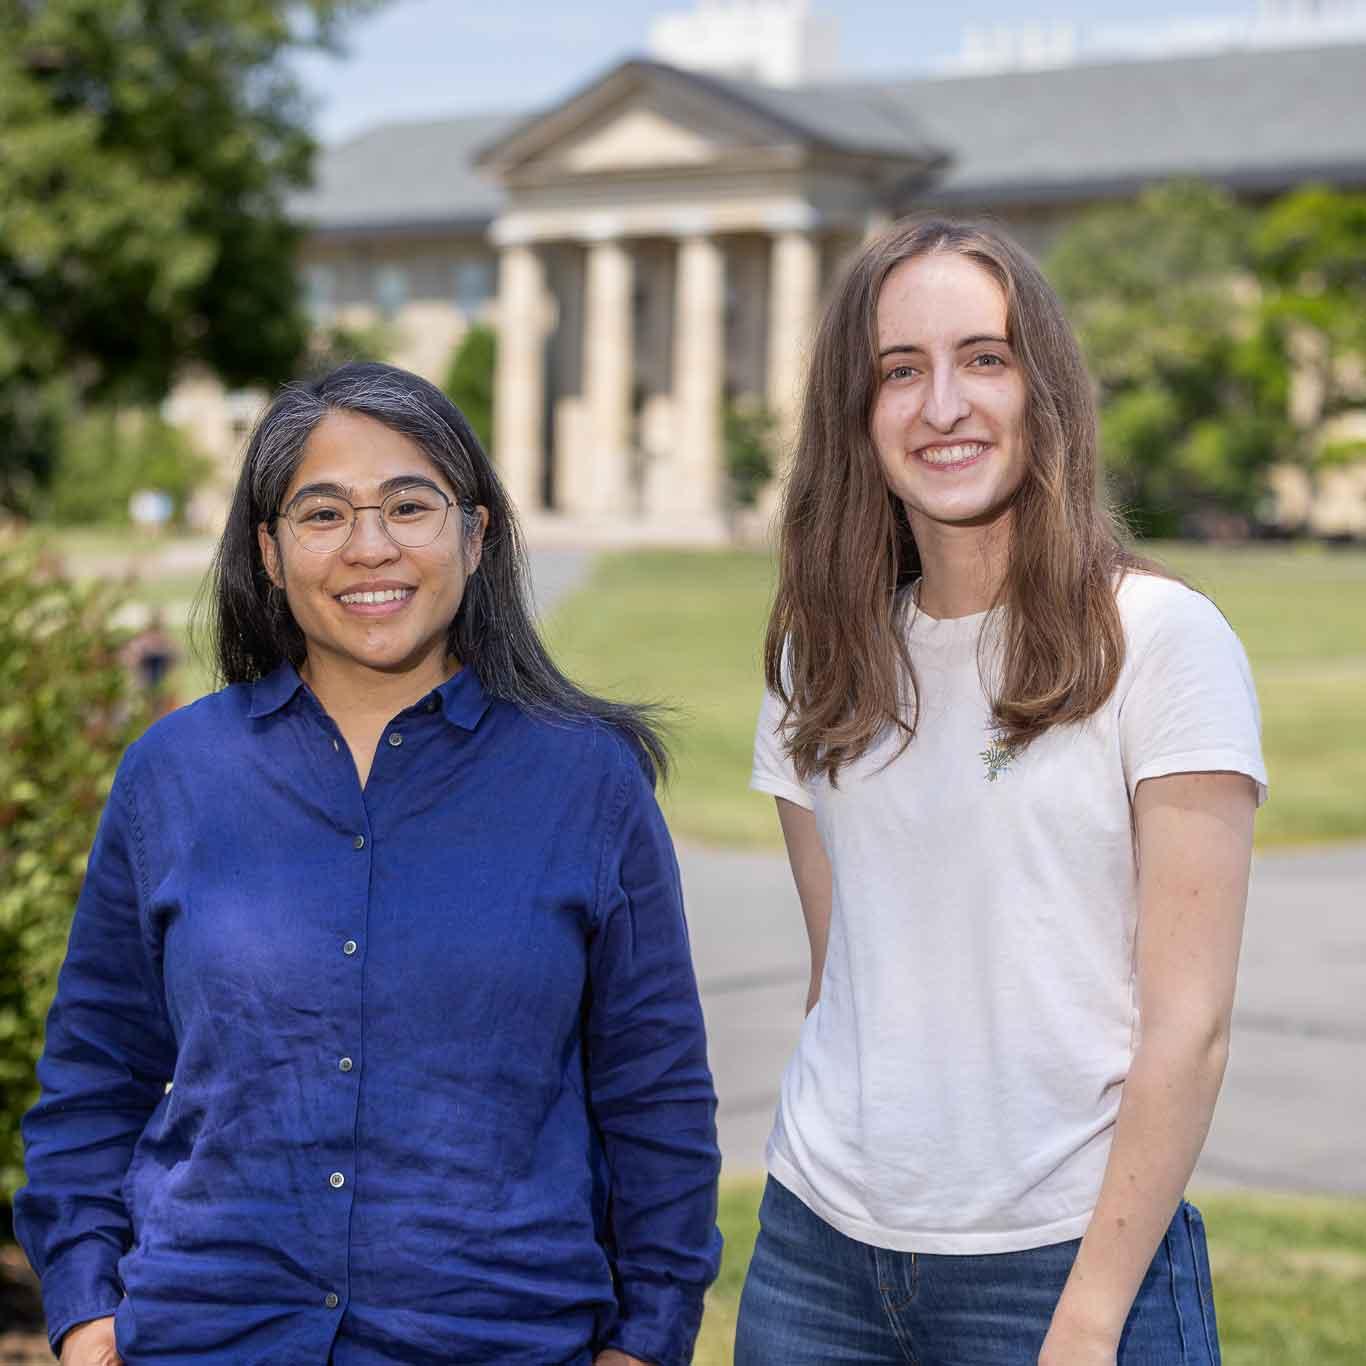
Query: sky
x,y
426,58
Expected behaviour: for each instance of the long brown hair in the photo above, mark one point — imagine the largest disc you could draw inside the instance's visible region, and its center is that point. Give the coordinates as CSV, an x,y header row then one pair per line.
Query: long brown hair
x,y
835,651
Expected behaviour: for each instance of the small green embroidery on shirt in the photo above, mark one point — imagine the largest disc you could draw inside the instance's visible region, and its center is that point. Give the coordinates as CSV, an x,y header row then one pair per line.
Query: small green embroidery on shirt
x,y
997,757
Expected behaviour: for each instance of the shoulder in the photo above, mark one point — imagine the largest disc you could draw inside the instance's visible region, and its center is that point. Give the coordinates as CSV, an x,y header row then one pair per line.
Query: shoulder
x,y
1158,611
184,734
578,750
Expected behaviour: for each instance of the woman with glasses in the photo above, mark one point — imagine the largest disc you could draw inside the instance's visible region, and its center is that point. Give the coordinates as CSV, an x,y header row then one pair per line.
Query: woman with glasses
x,y
1016,767
377,1039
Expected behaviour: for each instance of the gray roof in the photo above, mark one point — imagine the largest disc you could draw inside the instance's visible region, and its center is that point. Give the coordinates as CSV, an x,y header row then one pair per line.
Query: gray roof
x,y
406,177
1254,120
1258,120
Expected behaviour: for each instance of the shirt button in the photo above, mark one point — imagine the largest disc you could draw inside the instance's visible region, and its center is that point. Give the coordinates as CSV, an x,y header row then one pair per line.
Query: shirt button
x,y
331,1300
431,704
336,1181
346,1064
395,740
359,841
350,947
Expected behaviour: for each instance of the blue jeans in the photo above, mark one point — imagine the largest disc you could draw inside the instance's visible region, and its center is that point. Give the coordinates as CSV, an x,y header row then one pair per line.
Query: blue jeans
x,y
814,1297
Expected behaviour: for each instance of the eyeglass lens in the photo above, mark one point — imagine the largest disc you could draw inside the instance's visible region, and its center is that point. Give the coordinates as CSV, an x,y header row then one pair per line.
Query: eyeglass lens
x,y
411,517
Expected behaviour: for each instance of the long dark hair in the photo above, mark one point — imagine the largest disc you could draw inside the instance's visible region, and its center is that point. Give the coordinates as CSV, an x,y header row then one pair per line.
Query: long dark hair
x,y
835,651
493,631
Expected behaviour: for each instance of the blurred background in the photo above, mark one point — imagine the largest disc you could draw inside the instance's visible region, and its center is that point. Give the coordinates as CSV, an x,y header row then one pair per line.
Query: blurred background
x,y
607,230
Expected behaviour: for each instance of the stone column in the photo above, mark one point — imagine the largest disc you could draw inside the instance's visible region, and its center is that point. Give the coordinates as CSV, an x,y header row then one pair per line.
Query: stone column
x,y
519,380
602,485
793,297
697,486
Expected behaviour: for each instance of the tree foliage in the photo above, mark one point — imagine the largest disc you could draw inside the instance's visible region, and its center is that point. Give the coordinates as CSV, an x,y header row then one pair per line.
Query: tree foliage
x,y
748,433
1193,371
146,149
469,381
1311,255
67,710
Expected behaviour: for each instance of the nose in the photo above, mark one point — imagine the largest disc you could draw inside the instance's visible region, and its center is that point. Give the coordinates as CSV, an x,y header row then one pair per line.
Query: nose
x,y
369,542
946,403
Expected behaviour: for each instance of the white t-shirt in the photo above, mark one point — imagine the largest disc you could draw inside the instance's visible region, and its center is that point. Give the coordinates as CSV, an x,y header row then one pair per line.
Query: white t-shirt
x,y
955,1088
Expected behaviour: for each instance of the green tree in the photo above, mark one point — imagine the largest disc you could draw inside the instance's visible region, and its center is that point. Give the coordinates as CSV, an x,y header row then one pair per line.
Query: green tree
x,y
469,381
146,149
748,431
1192,371
67,710
1311,254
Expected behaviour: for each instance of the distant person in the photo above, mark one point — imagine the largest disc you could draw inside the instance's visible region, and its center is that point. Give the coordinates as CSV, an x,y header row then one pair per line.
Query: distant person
x,y
378,1039
1016,768
152,654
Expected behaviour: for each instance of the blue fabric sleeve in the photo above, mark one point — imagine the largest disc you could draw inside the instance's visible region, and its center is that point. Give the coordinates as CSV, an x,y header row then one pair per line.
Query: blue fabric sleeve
x,y
649,1086
108,1056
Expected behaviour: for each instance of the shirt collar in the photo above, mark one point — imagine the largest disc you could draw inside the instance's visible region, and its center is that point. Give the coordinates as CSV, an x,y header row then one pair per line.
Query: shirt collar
x,y
463,699
270,693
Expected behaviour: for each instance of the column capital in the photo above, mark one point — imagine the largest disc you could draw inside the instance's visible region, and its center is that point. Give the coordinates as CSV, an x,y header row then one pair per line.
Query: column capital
x,y
796,215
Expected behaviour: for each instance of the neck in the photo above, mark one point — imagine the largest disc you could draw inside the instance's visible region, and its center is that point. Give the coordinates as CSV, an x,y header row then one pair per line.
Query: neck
x,y
962,567
354,695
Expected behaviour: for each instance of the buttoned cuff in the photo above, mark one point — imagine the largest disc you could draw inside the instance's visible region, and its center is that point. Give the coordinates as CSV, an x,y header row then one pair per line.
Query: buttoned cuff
x,y
80,1286
658,1323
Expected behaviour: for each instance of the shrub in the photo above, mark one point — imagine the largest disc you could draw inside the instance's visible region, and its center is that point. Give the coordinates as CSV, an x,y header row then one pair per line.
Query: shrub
x,y
748,430
67,711
104,456
469,381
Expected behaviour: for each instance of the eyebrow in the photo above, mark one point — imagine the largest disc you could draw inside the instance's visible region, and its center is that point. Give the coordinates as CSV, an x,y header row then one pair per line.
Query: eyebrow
x,y
399,481
975,340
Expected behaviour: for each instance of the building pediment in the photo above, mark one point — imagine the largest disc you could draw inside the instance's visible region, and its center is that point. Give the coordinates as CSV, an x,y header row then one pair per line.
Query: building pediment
x,y
637,137
645,117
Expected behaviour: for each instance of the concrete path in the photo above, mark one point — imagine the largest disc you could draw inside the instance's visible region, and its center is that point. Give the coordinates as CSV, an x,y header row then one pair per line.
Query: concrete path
x,y
1293,1110
555,574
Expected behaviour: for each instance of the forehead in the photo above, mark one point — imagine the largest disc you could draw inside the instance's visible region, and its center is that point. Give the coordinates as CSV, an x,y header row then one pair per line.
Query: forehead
x,y
360,453
941,296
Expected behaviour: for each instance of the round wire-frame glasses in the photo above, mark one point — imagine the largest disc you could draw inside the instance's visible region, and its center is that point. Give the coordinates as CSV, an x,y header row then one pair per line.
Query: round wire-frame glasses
x,y
411,517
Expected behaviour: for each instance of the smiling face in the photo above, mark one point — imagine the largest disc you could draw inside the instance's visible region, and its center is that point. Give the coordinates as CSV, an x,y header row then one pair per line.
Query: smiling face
x,y
948,419
372,604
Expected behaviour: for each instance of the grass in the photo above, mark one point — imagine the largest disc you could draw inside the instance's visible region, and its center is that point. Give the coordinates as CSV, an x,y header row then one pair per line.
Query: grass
x,y
686,628
1289,1277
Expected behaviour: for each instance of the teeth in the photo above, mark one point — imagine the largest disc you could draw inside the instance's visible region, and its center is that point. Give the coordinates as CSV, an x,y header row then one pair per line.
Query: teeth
x,y
951,455
384,595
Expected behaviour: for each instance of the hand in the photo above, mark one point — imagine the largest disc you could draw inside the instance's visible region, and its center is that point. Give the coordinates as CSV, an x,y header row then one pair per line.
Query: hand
x,y
91,1344
1072,1345
612,1357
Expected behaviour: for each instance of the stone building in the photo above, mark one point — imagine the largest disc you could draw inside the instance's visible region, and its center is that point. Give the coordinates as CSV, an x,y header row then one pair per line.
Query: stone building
x,y
657,242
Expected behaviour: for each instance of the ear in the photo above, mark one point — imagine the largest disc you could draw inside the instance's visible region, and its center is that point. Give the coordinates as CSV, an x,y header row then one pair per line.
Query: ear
x,y
474,542
270,554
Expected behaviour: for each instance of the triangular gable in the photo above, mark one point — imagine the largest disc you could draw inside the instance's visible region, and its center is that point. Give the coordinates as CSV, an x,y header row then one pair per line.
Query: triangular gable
x,y
640,114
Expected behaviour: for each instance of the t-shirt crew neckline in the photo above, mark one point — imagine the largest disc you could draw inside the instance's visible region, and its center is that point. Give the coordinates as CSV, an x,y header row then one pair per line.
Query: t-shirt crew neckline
x,y
919,623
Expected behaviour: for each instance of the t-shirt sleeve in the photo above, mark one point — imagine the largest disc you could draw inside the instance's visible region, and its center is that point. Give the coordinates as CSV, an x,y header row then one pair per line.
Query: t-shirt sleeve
x,y
1189,704
773,770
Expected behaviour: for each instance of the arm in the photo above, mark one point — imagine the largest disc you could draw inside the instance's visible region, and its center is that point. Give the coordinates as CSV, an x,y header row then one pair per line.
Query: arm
x,y
106,1060
815,884
1194,836
650,1090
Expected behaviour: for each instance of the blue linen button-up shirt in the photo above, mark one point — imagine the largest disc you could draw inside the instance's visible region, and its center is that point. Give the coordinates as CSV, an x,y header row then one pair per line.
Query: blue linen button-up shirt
x,y
414,1073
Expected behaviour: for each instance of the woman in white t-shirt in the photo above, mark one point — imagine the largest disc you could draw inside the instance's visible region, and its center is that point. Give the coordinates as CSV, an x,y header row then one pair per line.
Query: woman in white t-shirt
x,y
1016,769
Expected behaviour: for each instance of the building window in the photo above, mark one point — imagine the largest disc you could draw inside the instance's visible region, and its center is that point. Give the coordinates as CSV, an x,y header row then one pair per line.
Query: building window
x,y
391,290
320,292
473,285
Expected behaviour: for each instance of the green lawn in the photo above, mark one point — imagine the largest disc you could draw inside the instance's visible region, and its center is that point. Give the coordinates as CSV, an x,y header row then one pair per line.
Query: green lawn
x,y
686,628
1289,1277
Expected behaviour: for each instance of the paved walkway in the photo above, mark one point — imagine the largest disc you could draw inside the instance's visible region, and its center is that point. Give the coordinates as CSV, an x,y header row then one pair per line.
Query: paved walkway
x,y
1293,1109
